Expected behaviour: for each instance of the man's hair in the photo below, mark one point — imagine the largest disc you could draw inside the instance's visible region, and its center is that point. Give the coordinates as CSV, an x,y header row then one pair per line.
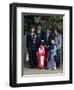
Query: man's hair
x,y
48,28
32,26
39,24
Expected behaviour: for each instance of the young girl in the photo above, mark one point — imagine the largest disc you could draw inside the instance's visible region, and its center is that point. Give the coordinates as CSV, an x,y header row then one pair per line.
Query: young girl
x,y
41,55
51,63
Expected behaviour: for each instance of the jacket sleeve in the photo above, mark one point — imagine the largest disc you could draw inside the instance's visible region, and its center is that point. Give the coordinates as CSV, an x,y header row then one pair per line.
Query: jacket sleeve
x,y
27,41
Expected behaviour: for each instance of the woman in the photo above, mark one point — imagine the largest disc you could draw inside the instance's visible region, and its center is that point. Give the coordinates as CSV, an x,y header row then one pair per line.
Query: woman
x,y
51,63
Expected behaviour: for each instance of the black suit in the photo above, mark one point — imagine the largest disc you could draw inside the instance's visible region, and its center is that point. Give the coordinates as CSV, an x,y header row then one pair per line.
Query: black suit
x,y
48,37
40,36
31,46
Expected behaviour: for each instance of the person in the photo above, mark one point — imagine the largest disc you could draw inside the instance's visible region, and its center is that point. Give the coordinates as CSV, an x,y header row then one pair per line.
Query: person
x,y
48,36
31,47
41,55
39,34
58,42
51,63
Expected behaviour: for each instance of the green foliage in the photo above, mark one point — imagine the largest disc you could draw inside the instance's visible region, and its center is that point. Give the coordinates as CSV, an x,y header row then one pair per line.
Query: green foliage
x,y
55,18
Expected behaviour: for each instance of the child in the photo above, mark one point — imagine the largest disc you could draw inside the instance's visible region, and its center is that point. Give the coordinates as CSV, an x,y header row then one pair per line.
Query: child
x,y
51,63
41,55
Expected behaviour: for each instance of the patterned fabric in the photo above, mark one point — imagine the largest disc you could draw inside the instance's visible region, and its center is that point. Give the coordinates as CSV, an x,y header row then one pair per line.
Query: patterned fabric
x,y
41,57
51,56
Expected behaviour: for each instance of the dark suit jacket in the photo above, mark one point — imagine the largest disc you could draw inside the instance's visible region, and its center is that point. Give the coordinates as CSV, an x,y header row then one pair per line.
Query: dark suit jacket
x,y
48,40
40,36
30,42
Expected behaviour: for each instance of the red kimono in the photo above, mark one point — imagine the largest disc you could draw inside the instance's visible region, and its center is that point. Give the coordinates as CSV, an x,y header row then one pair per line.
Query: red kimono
x,y
41,57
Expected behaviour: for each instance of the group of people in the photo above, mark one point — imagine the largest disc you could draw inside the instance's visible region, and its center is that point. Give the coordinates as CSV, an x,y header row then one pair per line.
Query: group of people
x,y
44,47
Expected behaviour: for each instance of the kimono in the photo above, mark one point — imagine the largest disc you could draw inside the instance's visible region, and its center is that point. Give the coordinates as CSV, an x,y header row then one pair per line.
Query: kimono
x,y
51,63
41,57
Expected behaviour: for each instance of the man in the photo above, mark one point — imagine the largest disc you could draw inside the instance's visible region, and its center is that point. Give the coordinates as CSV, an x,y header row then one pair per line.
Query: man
x,y
48,36
31,47
58,42
40,35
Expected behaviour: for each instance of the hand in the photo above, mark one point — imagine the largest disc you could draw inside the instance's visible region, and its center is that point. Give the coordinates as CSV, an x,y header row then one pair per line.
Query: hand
x,y
45,45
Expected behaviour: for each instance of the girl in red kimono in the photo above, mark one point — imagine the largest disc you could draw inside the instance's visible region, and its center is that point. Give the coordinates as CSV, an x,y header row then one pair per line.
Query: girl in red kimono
x,y
41,54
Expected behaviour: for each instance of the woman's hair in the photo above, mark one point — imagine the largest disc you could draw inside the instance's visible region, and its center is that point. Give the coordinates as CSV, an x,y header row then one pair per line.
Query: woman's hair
x,y
56,28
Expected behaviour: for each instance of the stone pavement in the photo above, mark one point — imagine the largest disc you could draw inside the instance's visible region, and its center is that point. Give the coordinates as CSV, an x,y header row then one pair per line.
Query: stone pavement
x,y
29,71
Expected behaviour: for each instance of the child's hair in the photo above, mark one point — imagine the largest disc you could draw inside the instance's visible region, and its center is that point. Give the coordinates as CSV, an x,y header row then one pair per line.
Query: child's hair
x,y
42,42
